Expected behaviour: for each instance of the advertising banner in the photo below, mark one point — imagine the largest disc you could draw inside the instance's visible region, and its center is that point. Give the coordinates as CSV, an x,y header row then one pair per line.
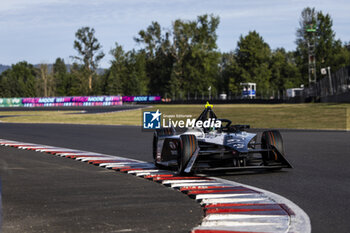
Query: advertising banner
x,y
72,101
75,101
11,102
141,98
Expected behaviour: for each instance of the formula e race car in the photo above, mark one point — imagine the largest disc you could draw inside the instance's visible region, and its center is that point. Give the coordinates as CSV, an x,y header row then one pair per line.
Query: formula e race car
x,y
228,147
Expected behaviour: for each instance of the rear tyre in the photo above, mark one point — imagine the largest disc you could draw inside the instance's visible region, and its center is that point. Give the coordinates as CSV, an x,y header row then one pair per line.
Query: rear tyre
x,y
269,140
159,133
188,146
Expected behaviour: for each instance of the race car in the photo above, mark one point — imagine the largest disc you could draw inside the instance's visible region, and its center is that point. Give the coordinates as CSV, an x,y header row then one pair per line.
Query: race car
x,y
229,147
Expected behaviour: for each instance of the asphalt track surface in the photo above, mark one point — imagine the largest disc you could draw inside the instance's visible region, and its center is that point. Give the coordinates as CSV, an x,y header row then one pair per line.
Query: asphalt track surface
x,y
74,197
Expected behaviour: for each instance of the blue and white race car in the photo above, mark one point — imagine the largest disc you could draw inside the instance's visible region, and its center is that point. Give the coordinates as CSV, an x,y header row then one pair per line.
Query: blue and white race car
x,y
229,147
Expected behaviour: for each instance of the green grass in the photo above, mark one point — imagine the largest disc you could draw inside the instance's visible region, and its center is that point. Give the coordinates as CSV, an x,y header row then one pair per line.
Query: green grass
x,y
66,117
296,116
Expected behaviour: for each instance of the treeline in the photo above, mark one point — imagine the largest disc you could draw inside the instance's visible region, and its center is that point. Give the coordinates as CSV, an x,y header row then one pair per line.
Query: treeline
x,y
182,61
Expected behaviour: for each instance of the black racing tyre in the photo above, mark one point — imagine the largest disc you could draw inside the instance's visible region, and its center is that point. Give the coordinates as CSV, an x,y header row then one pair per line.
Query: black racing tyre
x,y
165,131
268,139
159,133
189,144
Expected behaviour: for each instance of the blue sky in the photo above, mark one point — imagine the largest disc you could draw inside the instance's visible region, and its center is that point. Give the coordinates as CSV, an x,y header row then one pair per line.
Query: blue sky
x,y
39,31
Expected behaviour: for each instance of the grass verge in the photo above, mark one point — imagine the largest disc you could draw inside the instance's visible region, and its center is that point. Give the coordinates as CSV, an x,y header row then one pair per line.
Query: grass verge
x,y
295,116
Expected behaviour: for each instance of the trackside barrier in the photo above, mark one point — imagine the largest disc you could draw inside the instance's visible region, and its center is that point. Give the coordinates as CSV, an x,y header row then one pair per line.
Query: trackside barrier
x,y
75,101
72,101
138,99
229,207
61,101
11,102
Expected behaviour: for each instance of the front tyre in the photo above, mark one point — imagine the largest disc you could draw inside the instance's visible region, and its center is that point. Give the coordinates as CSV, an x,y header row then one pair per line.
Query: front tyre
x,y
272,140
188,146
160,133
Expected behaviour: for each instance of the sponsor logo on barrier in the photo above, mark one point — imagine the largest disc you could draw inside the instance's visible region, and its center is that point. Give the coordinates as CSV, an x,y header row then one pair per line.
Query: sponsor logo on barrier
x,y
46,100
16,101
141,98
96,99
10,102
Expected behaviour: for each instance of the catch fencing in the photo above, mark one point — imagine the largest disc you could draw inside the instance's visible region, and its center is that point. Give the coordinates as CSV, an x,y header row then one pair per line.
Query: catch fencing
x,y
331,89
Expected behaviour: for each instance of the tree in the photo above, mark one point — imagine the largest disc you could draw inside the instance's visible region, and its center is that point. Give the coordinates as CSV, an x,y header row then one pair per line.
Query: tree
x,y
127,74
151,38
284,72
137,83
88,48
253,58
19,81
61,77
201,68
341,58
184,59
77,81
307,21
158,61
229,73
112,81
327,45
46,85
328,50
